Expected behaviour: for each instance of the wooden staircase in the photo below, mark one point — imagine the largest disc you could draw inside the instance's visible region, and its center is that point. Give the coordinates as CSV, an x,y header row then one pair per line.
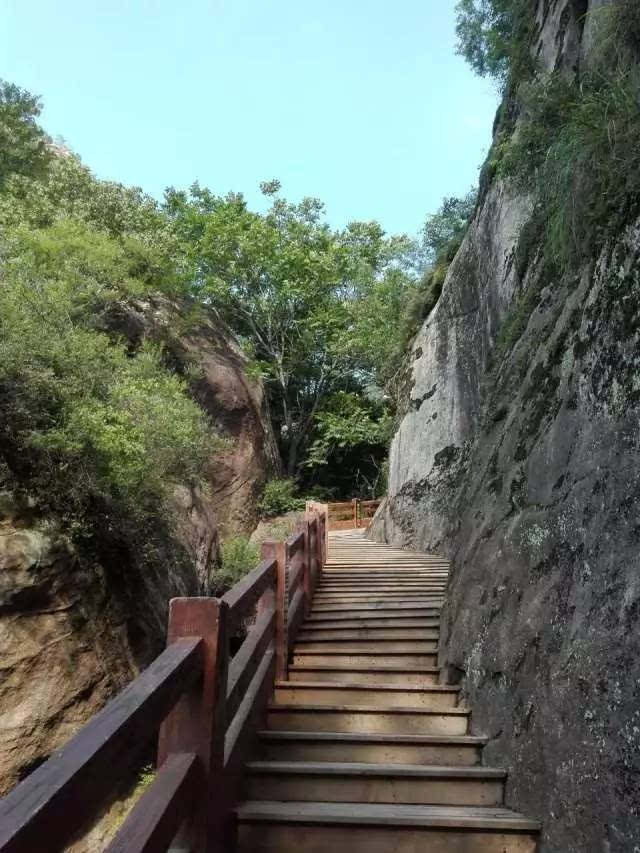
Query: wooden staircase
x,y
364,749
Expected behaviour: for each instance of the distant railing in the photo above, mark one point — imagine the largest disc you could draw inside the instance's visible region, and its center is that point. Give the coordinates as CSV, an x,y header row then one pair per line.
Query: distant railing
x,y
206,706
350,515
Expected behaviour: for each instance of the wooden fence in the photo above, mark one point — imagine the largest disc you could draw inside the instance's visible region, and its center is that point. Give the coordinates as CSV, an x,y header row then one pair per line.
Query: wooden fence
x,y
350,515
206,707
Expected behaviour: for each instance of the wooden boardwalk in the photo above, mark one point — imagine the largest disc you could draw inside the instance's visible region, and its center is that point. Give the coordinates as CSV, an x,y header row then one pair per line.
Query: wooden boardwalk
x,y
328,729
365,749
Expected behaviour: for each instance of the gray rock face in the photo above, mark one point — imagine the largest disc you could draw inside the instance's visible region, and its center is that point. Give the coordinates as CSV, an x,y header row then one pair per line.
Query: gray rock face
x,y
524,469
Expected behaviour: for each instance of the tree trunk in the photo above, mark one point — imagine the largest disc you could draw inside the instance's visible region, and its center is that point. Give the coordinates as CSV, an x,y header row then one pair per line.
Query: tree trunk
x,y
292,456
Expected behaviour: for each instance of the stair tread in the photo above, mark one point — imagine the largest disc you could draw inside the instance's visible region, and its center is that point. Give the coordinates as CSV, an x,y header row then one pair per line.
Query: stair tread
x,y
470,817
341,651
380,688
312,667
365,709
353,768
428,635
366,737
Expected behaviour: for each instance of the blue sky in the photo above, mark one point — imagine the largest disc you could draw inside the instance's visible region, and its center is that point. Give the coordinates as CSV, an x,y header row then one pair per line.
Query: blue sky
x,y
362,103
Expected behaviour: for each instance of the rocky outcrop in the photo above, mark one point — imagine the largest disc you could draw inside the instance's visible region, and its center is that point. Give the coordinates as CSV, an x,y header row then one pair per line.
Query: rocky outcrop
x,y
80,615
522,464
196,340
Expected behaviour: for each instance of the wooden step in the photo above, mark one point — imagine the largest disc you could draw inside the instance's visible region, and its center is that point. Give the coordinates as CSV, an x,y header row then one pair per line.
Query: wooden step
x,y
368,600
339,634
343,782
367,589
348,611
379,646
358,658
371,828
319,717
371,622
431,697
376,586
379,675
381,577
461,751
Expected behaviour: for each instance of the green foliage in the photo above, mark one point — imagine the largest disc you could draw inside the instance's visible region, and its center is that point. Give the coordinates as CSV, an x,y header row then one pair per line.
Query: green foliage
x,y
278,498
68,191
494,36
443,231
98,421
300,295
23,143
577,145
349,421
349,445
442,236
239,556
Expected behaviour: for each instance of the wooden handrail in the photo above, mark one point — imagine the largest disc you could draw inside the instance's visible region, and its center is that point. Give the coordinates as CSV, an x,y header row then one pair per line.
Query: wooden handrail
x,y
243,596
207,709
79,777
153,822
295,542
350,515
244,664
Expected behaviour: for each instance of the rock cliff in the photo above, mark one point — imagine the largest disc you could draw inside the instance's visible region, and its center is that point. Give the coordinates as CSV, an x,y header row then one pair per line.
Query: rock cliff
x,y
79,615
523,466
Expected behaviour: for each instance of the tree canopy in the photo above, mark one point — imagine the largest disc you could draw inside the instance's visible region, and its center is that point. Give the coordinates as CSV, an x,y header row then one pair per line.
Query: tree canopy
x,y
299,295
324,316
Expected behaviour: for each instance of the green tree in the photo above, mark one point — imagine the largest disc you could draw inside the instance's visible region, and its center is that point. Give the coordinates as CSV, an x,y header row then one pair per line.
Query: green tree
x,y
23,143
80,412
349,445
447,226
291,287
494,36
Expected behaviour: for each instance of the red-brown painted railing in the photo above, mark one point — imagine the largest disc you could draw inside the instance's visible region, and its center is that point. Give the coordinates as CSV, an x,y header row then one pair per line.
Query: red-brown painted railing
x,y
349,515
206,707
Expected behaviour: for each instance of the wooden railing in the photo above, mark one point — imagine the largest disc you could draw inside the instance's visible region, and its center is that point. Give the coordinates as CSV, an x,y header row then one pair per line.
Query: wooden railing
x,y
349,515
206,707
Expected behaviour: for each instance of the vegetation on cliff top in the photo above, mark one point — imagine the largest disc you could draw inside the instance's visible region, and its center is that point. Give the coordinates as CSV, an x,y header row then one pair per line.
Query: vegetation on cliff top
x,y
569,137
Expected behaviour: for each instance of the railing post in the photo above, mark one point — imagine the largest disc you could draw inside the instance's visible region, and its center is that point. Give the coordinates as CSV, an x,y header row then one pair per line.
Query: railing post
x,y
355,512
197,723
306,567
272,550
324,534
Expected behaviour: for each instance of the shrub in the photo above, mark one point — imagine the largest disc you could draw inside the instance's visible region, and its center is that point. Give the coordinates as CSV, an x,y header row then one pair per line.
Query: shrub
x,y
279,497
239,556
578,145
97,420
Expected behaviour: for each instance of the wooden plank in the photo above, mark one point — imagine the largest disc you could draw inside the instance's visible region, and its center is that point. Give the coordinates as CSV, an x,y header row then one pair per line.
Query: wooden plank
x,y
63,793
307,585
295,543
246,661
197,723
245,724
241,597
296,615
152,824
276,551
296,576
394,815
